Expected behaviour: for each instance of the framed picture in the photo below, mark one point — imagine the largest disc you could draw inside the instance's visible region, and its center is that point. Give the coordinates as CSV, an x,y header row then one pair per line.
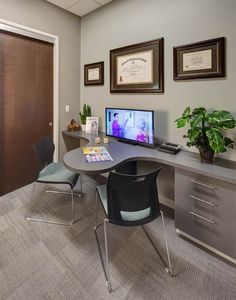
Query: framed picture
x,y
137,68
94,73
92,125
205,59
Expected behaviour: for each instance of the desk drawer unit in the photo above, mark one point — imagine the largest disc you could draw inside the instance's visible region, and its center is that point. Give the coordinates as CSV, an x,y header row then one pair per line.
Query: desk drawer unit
x,y
205,209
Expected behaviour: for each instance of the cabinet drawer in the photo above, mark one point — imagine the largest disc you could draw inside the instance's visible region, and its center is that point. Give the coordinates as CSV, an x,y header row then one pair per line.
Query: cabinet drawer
x,y
218,233
205,208
210,195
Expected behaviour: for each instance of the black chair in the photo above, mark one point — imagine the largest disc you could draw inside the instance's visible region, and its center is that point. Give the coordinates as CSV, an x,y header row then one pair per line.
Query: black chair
x,y
129,200
52,173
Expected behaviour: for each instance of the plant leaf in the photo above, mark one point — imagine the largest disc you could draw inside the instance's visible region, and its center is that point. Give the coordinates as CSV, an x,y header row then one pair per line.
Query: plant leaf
x,y
216,140
184,120
194,135
181,122
222,119
196,121
199,111
186,112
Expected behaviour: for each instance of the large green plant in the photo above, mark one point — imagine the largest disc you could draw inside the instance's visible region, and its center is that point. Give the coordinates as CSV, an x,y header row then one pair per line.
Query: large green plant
x,y
205,130
85,113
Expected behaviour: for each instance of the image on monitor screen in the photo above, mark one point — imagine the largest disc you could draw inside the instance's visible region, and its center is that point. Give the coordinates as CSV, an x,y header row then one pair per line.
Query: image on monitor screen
x,y
130,124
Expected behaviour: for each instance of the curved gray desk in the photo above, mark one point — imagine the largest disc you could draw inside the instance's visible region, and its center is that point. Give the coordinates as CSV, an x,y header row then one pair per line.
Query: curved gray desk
x,y
121,152
205,195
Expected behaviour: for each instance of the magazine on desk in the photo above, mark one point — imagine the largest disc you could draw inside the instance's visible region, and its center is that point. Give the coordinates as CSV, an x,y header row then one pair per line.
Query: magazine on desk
x,y
96,154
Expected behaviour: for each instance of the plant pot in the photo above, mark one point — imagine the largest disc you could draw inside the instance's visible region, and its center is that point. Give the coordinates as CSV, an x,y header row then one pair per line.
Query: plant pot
x,y
83,127
206,155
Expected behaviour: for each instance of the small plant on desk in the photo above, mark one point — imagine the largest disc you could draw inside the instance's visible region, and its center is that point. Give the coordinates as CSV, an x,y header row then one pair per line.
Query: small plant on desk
x,y
205,130
84,114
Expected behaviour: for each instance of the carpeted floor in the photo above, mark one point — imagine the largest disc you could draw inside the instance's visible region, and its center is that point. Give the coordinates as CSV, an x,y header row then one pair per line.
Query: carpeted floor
x,y
43,261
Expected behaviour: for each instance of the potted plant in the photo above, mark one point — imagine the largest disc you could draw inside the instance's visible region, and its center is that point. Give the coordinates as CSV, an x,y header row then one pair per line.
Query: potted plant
x,y
85,113
205,130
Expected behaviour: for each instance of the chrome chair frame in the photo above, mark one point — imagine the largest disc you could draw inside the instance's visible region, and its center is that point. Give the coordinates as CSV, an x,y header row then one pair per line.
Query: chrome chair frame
x,y
105,266
44,150
28,218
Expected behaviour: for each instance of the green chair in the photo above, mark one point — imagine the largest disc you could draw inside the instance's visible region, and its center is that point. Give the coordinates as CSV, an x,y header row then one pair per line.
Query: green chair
x,y
129,200
52,173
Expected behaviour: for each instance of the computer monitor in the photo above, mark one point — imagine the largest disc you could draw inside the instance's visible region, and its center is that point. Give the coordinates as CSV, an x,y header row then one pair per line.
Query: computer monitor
x,y
130,125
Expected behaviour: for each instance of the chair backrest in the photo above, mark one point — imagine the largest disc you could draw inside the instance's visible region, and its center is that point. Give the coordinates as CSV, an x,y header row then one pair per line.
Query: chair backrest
x,y
132,199
44,150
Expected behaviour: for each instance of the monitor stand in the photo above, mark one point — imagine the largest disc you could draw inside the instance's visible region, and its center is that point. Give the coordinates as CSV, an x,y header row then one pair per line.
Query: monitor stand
x,y
137,144
128,142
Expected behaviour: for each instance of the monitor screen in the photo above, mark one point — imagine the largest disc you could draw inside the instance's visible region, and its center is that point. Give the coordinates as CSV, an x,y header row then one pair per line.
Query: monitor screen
x,y
136,126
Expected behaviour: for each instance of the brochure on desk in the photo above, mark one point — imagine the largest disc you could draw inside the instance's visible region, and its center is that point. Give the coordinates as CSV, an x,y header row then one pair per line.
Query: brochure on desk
x,y
96,154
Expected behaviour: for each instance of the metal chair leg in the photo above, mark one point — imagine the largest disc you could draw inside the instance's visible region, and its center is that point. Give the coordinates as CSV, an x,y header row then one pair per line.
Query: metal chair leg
x,y
96,208
80,182
28,218
169,270
108,282
105,266
79,194
72,206
63,192
30,201
168,266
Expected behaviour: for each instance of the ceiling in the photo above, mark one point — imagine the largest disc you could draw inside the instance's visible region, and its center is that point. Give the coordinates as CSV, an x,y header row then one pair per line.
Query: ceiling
x,y
79,7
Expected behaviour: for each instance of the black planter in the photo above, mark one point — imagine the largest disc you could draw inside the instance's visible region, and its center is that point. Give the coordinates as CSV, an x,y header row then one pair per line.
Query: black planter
x,y
206,155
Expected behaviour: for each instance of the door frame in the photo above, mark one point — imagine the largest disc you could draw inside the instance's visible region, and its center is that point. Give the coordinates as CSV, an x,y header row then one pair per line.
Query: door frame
x,y
20,29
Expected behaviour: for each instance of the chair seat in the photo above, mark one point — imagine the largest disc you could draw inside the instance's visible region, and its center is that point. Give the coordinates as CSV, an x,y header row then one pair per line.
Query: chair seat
x,y
125,215
57,173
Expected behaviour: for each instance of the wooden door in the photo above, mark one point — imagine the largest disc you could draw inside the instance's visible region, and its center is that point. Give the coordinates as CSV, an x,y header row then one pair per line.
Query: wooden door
x,y
26,106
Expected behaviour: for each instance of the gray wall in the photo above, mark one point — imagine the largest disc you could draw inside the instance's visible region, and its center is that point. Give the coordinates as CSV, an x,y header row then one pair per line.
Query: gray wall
x,y
125,22
41,15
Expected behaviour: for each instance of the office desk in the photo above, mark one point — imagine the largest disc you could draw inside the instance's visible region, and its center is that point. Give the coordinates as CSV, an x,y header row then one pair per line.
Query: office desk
x,y
205,195
122,152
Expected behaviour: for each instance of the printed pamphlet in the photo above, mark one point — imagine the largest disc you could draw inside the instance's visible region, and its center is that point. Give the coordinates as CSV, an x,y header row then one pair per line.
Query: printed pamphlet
x,y
96,154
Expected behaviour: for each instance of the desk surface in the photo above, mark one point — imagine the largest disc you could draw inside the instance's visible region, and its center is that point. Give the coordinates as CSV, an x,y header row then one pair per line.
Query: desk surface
x,y
120,152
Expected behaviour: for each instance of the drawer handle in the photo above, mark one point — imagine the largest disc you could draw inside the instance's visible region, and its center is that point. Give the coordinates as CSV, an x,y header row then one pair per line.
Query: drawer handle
x,y
201,217
203,184
201,200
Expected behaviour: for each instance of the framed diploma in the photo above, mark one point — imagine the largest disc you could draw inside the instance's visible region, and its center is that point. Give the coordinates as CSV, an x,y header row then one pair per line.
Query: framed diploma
x,y
94,73
204,59
137,68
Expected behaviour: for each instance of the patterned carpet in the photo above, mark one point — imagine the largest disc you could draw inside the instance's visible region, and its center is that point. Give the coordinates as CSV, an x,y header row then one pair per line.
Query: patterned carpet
x,y
44,261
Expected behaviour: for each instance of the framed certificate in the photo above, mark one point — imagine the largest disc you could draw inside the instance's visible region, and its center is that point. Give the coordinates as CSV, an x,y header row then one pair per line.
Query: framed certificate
x,y
94,73
137,68
204,59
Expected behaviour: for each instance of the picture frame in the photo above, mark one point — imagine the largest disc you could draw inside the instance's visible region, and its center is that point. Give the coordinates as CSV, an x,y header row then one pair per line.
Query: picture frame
x,y
138,68
204,59
94,73
91,125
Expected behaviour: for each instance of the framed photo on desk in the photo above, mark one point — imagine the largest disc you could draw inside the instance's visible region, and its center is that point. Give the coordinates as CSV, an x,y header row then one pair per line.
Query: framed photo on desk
x,y
92,125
